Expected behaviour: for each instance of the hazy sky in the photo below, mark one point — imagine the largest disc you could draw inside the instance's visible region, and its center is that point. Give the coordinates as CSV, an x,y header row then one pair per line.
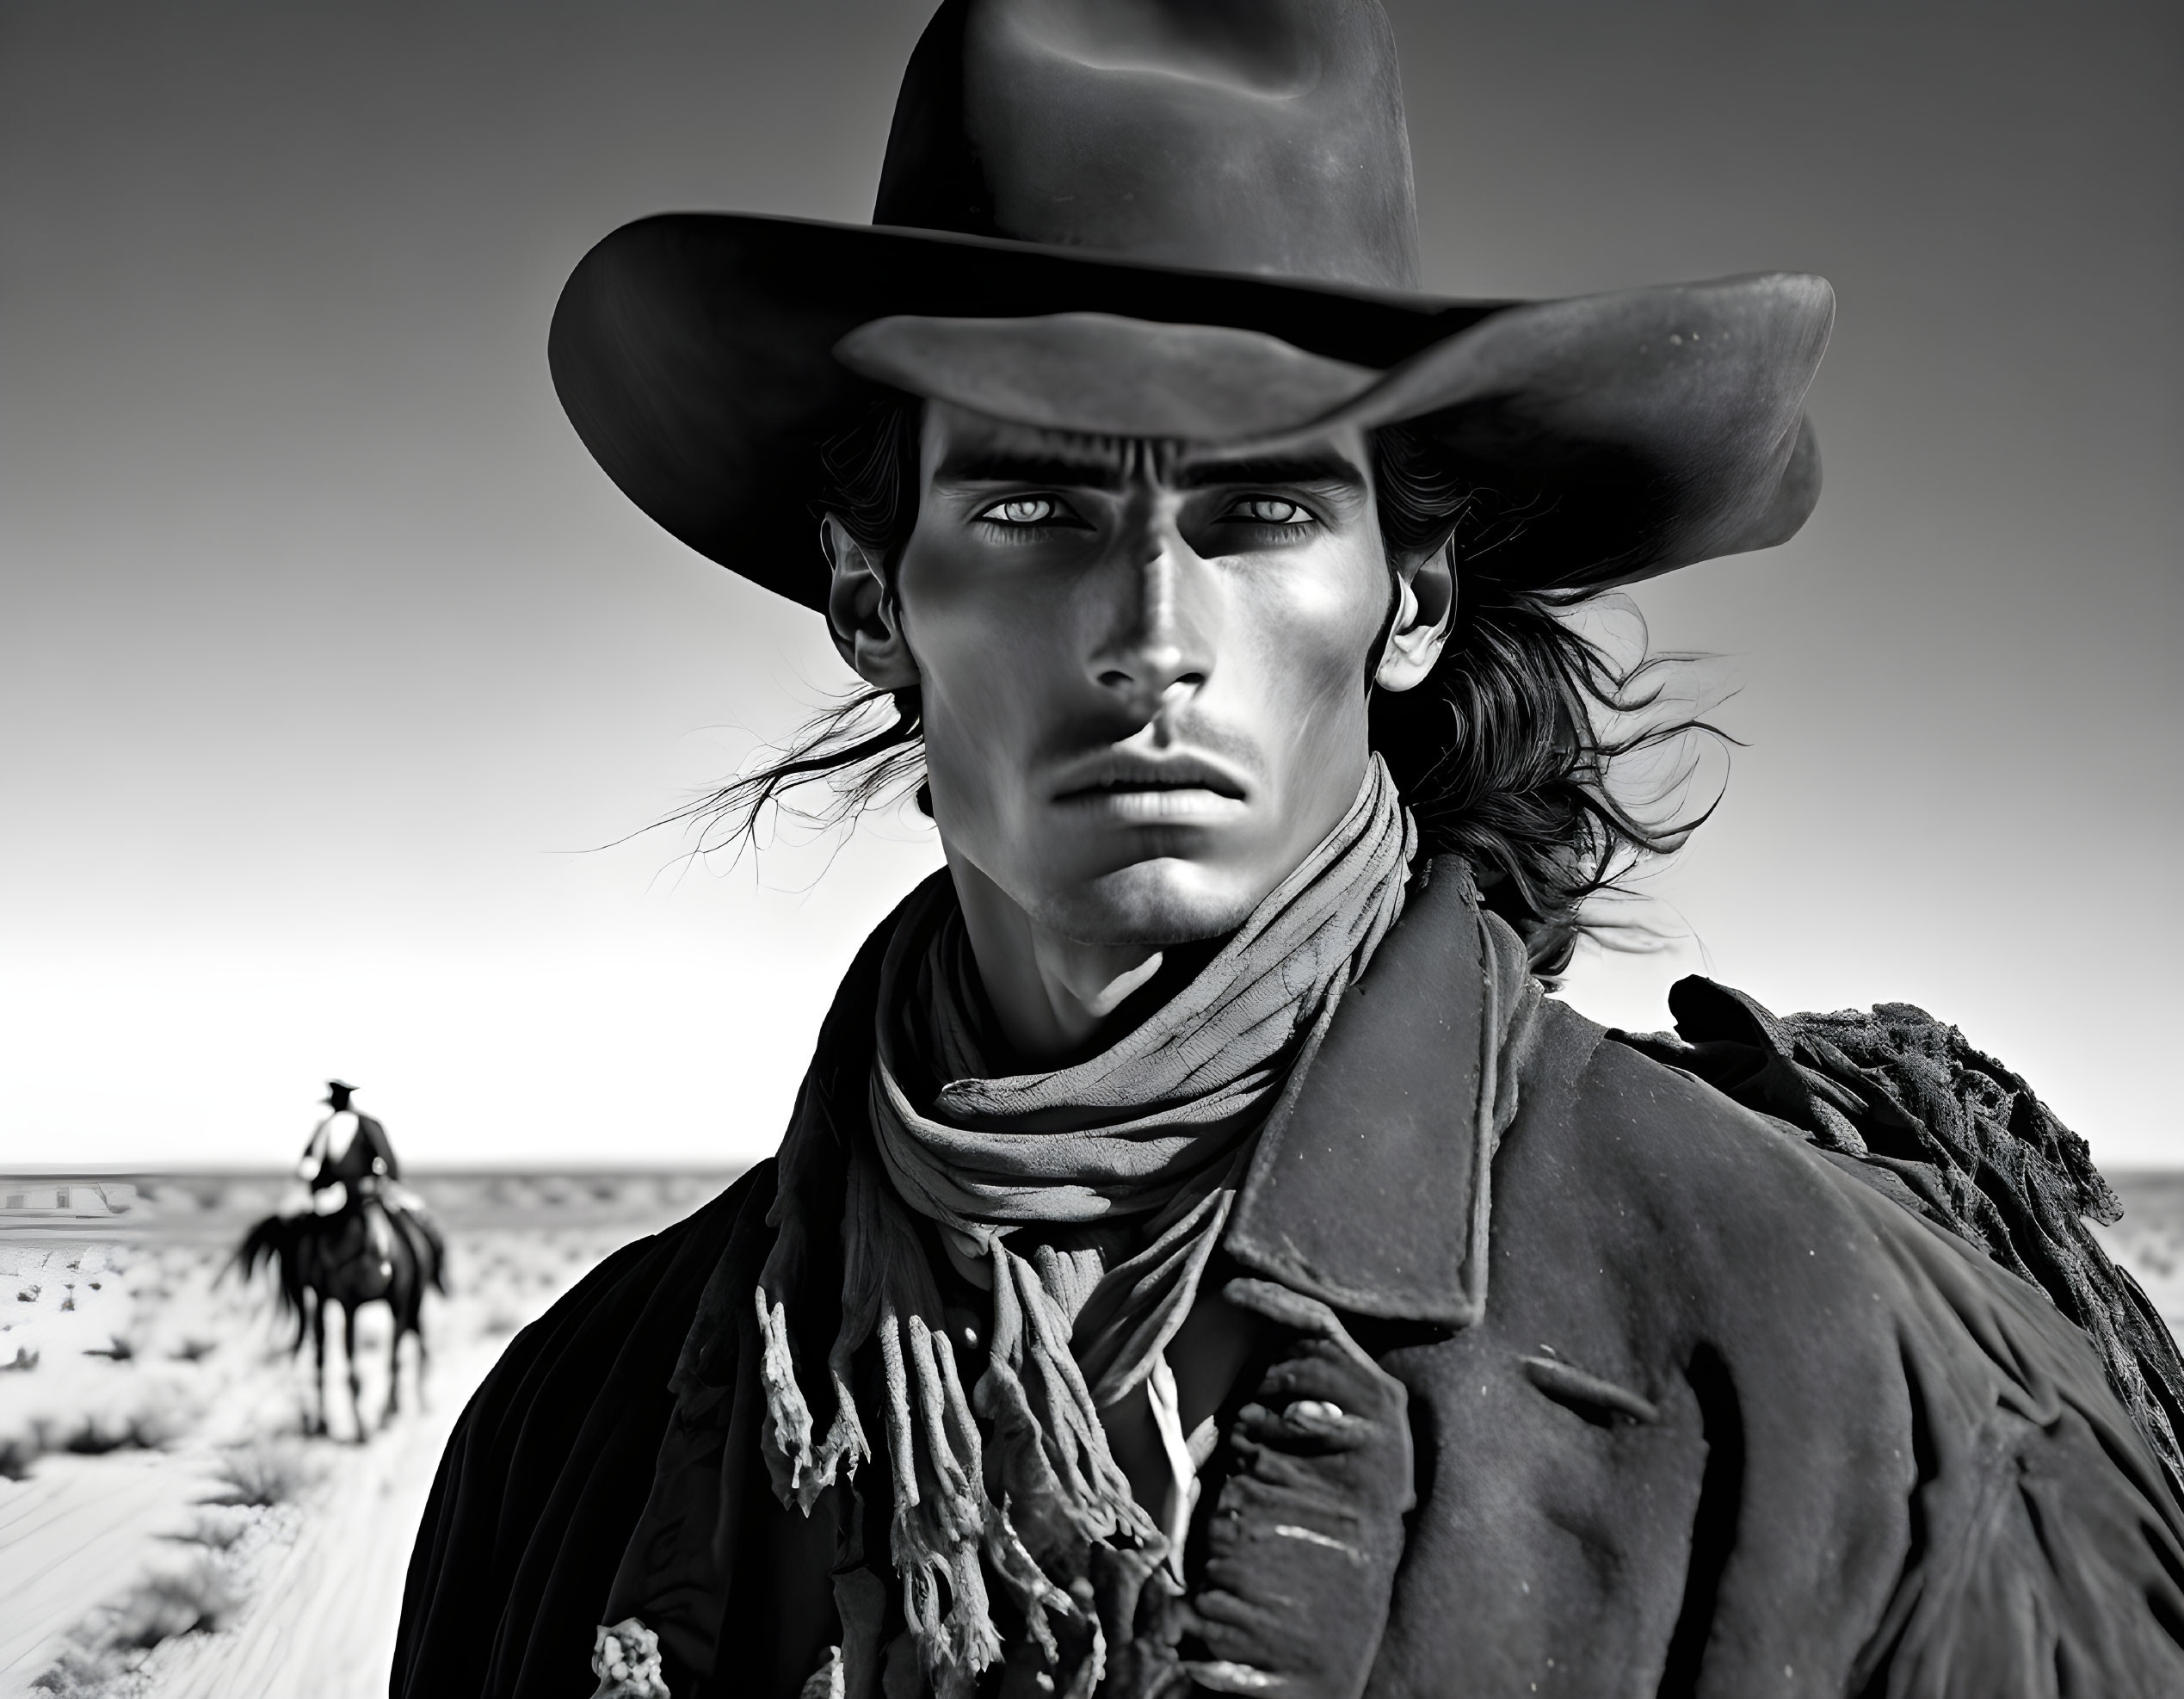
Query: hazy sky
x,y
326,654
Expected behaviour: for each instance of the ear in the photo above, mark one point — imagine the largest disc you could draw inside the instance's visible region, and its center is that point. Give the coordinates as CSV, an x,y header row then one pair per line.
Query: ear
x,y
866,626
1425,612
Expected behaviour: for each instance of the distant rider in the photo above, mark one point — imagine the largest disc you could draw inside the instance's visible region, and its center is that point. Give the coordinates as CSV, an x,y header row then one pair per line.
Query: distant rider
x,y
349,1155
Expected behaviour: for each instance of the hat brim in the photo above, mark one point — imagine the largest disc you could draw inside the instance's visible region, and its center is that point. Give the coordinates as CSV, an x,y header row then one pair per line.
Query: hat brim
x,y
1637,432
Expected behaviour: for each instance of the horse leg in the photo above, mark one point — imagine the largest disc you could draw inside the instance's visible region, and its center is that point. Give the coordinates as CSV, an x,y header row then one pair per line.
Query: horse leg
x,y
316,1422
355,1381
393,1369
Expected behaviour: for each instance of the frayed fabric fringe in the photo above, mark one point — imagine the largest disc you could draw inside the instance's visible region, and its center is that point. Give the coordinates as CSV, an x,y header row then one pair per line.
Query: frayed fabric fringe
x,y
1123,1169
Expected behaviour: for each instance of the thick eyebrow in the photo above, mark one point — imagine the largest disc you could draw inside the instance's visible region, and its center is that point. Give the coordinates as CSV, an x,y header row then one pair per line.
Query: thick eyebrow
x,y
980,466
984,466
1292,469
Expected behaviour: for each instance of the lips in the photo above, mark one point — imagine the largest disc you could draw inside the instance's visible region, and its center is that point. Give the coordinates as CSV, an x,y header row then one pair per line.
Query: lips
x,y
1116,773
1151,790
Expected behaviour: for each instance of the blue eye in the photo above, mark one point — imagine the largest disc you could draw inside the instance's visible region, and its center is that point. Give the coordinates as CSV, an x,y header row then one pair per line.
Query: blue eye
x,y
1269,511
1024,511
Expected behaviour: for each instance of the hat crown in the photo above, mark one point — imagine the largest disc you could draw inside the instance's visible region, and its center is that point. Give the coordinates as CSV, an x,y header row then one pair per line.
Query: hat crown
x,y
1256,136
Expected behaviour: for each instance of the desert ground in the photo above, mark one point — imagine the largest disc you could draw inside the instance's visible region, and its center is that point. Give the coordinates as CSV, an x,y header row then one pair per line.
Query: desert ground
x,y
166,1529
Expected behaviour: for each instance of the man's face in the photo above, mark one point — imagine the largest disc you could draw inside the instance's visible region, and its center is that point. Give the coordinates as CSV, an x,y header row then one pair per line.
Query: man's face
x,y
1143,669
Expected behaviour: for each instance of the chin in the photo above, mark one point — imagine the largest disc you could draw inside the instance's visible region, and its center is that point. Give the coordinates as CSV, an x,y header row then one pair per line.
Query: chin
x,y
1163,901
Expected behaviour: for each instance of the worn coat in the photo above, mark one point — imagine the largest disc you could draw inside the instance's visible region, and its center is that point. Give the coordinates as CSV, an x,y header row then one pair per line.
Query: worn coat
x,y
1695,1409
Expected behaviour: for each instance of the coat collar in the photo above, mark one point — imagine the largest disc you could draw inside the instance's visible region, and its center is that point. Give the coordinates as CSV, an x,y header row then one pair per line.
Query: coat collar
x,y
1369,1188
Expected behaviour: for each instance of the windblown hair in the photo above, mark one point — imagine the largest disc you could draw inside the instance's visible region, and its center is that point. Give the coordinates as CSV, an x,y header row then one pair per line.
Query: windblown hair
x,y
1504,754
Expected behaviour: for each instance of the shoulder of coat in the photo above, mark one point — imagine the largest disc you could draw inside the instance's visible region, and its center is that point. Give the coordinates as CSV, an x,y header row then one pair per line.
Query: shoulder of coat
x,y
1655,1164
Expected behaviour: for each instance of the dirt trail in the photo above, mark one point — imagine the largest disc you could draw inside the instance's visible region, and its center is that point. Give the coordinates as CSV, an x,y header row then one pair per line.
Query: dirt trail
x,y
322,1620
136,1380
66,1535
320,1610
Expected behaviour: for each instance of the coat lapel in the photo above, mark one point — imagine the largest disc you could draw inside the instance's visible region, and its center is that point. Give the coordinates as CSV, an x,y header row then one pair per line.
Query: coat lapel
x,y
1369,1188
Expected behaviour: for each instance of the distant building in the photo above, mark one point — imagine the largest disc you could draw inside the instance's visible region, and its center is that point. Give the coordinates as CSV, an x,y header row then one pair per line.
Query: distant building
x,y
66,1201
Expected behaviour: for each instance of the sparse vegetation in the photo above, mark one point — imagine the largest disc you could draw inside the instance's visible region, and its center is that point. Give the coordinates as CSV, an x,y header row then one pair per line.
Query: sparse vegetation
x,y
83,1672
150,1425
213,1533
262,1473
149,1428
196,1598
159,1359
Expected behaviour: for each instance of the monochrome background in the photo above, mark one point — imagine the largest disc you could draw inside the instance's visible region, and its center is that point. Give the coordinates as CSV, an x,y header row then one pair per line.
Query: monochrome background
x,y
329,661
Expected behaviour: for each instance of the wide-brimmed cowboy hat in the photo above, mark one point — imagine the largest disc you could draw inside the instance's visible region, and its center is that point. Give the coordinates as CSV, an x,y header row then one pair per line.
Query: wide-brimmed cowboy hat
x,y
1183,219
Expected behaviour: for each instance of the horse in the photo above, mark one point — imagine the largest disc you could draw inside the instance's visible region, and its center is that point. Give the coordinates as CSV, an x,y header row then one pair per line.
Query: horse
x,y
362,1252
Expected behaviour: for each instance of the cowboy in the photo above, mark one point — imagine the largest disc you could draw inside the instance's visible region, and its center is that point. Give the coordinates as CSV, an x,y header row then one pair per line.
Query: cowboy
x,y
350,1161
348,1233
1201,1257
348,1152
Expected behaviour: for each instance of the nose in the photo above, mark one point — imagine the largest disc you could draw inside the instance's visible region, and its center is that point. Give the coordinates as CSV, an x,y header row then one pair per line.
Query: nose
x,y
1155,654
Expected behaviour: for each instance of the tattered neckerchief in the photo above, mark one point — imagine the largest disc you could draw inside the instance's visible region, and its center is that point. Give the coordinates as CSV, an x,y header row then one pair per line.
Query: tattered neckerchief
x,y
1092,1195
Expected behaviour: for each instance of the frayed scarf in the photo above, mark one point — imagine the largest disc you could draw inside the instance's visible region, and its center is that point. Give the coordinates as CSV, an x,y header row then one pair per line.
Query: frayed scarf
x,y
1094,1195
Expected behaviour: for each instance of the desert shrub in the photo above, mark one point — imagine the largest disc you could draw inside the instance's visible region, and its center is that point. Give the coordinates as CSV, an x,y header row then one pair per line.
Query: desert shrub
x,y
262,1473
151,1425
213,1533
97,1434
83,1672
196,1598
